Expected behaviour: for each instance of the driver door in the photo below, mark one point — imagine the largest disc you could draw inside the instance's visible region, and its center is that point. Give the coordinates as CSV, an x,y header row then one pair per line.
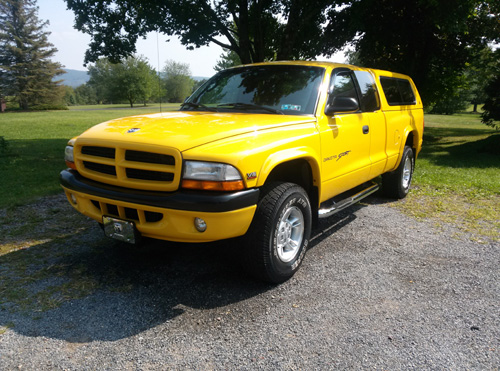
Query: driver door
x,y
346,141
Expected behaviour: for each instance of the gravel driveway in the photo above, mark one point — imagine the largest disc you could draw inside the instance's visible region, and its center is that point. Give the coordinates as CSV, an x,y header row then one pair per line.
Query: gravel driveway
x,y
377,290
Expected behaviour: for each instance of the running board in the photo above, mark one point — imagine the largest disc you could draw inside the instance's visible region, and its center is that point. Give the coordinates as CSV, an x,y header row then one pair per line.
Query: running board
x,y
331,207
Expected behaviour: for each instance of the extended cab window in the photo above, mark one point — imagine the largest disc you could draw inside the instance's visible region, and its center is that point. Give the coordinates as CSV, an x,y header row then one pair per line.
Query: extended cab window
x,y
285,89
397,91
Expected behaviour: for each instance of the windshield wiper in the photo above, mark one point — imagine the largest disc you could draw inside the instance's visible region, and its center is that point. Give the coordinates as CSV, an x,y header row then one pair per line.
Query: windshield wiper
x,y
198,105
249,106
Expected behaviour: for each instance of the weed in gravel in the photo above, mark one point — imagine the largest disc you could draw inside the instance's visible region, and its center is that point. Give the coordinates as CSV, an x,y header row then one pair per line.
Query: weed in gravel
x,y
27,285
3,329
36,270
470,213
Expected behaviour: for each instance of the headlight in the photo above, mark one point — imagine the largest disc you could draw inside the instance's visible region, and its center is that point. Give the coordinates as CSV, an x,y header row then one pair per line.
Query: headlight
x,y
68,154
211,176
68,157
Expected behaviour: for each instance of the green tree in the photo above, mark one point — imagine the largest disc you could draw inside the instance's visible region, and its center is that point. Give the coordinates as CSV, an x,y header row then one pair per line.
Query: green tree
x,y
26,69
85,94
432,41
134,80
177,81
69,95
227,59
491,108
131,80
100,80
456,95
479,73
256,30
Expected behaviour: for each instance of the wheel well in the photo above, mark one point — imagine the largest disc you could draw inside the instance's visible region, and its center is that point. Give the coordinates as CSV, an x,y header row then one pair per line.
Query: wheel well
x,y
299,172
410,141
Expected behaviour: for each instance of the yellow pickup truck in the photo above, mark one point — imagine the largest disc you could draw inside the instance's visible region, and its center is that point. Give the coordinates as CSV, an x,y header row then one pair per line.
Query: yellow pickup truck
x,y
259,151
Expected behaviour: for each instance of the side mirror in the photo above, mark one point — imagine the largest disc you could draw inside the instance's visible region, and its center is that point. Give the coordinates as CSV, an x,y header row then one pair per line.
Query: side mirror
x,y
341,104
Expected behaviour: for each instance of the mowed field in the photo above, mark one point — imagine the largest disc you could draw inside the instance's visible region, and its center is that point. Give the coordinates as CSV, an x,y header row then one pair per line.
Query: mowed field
x,y
34,156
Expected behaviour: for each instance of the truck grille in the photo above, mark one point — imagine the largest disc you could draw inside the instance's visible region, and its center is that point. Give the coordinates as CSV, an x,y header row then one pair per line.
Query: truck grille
x,y
128,165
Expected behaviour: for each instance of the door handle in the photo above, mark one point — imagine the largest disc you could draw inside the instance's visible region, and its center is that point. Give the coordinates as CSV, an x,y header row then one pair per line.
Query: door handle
x,y
366,129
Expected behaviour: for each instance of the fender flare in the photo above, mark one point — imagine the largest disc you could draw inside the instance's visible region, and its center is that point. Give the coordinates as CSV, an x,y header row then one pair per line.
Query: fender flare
x,y
287,155
408,130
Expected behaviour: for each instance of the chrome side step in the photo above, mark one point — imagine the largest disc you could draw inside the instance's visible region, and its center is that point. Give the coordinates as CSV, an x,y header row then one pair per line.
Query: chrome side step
x,y
331,207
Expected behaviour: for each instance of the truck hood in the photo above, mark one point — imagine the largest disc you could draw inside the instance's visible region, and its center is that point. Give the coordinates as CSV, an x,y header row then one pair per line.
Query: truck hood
x,y
186,130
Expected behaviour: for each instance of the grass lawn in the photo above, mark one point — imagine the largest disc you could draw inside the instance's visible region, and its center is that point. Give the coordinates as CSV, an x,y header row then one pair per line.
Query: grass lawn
x,y
165,106
35,149
457,177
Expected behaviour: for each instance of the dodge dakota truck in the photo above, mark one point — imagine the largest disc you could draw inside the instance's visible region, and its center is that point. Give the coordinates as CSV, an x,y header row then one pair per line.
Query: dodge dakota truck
x,y
259,152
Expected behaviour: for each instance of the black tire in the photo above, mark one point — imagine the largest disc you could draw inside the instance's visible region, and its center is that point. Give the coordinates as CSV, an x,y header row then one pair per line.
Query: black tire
x,y
277,240
396,184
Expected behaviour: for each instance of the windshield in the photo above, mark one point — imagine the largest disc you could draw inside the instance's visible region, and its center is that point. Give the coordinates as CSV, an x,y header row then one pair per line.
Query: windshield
x,y
274,89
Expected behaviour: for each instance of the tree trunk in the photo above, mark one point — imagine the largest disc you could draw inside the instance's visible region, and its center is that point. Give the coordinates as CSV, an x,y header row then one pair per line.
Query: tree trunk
x,y
475,108
245,52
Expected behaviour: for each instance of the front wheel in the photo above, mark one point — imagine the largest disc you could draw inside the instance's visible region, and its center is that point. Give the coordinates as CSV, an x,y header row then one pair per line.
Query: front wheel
x,y
279,235
396,184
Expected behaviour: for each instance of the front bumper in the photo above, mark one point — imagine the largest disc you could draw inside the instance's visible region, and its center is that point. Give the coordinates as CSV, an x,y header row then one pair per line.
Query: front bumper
x,y
161,215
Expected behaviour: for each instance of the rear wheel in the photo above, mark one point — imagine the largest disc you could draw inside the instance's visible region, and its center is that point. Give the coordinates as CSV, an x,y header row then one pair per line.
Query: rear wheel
x,y
279,235
396,184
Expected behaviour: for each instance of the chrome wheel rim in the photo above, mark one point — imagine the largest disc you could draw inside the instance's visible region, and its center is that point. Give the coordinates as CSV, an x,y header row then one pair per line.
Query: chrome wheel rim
x,y
290,234
407,172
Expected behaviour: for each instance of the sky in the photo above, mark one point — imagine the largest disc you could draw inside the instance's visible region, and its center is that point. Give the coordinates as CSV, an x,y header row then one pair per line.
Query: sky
x,y
71,44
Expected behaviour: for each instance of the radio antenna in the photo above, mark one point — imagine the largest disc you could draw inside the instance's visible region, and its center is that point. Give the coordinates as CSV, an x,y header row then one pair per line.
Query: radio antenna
x,y
159,78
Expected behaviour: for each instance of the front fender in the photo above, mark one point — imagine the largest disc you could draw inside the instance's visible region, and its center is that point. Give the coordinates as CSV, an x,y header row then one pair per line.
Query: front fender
x,y
287,155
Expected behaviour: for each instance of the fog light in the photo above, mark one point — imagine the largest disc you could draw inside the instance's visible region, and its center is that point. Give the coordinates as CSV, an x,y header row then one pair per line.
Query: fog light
x,y
200,225
73,198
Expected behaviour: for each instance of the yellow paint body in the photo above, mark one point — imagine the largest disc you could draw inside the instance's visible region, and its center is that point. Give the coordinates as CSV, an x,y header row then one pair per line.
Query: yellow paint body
x,y
339,155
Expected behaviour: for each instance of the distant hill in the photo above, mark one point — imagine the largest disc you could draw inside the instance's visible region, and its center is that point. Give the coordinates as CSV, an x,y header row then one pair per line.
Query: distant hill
x,y
73,78
199,78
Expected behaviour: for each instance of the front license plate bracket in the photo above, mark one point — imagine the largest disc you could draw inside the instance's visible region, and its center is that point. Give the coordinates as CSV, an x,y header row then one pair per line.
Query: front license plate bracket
x,y
119,229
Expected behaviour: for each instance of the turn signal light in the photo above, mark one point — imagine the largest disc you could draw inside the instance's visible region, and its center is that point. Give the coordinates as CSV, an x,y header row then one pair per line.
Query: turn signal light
x,y
71,165
235,185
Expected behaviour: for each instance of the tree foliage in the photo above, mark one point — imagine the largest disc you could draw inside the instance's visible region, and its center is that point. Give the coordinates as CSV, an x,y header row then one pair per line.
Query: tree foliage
x,y
26,69
81,95
177,82
256,30
227,59
132,80
480,72
432,41
85,94
491,108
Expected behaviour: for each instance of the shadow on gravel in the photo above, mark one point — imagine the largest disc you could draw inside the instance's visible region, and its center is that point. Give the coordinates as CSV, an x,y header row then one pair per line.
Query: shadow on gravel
x,y
80,289
88,288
